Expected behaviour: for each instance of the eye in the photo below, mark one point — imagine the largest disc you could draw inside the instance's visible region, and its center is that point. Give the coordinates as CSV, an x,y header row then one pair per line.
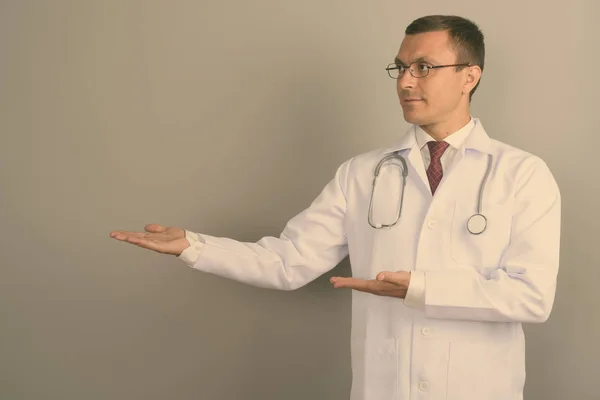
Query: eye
x,y
422,67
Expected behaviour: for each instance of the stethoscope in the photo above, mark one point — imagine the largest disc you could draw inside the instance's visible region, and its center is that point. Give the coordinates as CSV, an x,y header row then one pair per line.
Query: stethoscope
x,y
476,224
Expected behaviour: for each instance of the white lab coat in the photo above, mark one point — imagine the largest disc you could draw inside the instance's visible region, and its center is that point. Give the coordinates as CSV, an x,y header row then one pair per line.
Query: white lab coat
x,y
466,342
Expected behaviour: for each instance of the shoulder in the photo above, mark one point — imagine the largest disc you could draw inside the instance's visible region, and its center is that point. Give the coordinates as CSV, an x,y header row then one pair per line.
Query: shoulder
x,y
364,162
523,167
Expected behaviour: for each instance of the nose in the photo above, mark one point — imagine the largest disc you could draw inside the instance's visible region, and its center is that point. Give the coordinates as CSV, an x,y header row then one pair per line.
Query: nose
x,y
406,81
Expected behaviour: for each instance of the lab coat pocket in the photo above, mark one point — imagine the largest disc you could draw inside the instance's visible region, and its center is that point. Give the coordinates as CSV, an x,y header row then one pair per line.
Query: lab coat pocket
x,y
483,370
374,367
482,251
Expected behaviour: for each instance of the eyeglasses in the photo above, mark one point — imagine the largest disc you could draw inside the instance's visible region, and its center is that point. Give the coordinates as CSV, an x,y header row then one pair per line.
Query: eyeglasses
x,y
396,71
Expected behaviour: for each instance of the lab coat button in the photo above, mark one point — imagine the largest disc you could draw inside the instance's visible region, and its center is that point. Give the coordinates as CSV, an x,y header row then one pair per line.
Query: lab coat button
x,y
424,386
431,223
426,331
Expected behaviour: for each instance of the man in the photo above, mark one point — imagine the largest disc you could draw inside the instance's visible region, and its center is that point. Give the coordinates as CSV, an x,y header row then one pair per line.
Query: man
x,y
453,247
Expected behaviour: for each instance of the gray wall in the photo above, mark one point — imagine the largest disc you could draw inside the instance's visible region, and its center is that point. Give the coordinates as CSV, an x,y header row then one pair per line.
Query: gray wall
x,y
228,118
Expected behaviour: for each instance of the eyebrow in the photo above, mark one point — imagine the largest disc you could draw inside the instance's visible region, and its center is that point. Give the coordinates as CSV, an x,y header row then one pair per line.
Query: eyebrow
x,y
420,59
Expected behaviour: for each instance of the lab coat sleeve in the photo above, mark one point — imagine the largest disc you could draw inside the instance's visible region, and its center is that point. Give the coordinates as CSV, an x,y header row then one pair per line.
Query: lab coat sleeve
x,y
415,295
312,243
522,288
191,254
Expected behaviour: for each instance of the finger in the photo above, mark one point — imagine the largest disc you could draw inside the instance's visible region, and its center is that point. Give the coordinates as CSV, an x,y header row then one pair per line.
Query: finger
x,y
340,281
146,243
351,283
398,278
124,235
120,235
379,288
155,228
385,276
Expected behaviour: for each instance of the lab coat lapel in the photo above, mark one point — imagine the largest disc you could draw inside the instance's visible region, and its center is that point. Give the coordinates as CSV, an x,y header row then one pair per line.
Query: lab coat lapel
x,y
416,159
408,144
479,142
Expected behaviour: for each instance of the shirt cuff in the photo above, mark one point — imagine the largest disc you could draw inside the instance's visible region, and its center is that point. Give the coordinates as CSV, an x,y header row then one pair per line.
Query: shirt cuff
x,y
191,254
415,296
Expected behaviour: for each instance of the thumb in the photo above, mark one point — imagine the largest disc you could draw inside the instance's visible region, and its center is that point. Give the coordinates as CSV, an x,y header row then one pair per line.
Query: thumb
x,y
155,228
388,276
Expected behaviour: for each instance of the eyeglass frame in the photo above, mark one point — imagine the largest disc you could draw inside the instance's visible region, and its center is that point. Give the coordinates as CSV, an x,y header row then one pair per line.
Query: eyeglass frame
x,y
429,68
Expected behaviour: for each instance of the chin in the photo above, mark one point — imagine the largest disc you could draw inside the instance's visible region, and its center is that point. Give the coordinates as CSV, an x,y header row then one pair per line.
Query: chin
x,y
413,118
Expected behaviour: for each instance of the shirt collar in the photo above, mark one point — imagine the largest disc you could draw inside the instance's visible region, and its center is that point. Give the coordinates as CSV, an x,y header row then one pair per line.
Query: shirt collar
x,y
471,136
455,139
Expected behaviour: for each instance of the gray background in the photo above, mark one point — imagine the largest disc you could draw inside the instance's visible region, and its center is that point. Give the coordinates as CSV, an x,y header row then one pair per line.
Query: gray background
x,y
228,118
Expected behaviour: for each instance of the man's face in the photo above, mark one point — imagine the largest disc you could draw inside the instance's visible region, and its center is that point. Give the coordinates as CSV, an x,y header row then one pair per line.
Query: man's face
x,y
440,96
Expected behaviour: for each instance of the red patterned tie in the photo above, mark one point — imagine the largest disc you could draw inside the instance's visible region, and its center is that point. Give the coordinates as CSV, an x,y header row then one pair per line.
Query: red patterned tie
x,y
434,172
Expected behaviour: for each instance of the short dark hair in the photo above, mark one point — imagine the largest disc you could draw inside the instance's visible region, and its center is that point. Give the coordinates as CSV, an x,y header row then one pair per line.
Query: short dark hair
x,y
467,39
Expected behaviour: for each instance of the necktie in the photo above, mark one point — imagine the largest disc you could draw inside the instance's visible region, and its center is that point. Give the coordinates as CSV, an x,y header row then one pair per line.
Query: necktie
x,y
434,171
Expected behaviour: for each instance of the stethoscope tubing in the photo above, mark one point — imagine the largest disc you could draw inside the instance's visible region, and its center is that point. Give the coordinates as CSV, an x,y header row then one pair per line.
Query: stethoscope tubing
x,y
474,219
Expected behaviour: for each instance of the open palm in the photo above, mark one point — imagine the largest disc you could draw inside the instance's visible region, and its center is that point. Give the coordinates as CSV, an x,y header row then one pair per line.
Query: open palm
x,y
166,240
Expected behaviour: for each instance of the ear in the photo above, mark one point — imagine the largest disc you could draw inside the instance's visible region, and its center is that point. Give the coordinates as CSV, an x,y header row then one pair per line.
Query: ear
x,y
472,77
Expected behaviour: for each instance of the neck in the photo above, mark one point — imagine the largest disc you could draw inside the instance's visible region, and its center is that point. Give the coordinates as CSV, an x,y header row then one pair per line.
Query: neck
x,y
442,129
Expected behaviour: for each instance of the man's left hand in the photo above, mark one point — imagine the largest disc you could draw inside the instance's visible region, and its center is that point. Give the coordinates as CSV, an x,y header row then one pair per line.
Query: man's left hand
x,y
392,284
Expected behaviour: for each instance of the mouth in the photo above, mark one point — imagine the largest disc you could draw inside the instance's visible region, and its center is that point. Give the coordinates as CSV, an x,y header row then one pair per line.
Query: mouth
x,y
411,101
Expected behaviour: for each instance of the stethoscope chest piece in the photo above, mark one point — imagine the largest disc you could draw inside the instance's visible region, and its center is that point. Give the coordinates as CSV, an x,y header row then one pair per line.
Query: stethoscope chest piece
x,y
476,224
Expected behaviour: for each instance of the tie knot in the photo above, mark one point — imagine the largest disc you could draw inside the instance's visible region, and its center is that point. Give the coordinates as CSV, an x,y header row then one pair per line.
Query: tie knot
x,y
436,149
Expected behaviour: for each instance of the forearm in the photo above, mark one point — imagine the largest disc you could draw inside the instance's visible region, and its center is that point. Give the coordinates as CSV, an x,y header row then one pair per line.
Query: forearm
x,y
502,297
521,286
271,262
312,242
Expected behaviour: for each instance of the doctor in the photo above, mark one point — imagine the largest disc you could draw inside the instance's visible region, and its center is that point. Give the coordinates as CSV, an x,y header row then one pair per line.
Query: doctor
x,y
453,246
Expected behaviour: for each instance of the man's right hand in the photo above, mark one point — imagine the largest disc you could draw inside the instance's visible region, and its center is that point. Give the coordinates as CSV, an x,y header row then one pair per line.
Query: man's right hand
x,y
157,237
